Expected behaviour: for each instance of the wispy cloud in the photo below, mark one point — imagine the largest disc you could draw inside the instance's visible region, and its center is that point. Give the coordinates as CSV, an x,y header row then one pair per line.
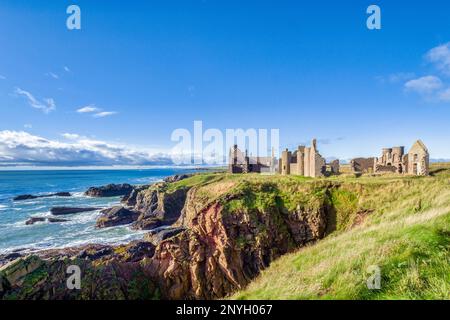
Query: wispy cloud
x,y
96,112
401,76
66,69
52,75
440,56
23,148
433,87
71,136
104,114
2,77
445,95
46,106
424,85
398,77
88,109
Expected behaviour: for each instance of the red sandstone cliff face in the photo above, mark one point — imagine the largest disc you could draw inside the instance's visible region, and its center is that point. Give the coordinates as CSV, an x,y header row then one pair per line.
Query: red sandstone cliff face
x,y
221,249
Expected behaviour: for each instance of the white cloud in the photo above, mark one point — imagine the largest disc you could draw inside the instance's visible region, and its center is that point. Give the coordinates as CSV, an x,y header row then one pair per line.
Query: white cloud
x,y
28,126
22,148
66,69
50,103
2,77
445,95
440,56
46,106
71,136
98,112
424,85
53,75
88,109
400,77
104,114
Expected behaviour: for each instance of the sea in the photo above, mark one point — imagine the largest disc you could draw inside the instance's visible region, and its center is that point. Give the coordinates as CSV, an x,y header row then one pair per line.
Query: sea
x,y
16,236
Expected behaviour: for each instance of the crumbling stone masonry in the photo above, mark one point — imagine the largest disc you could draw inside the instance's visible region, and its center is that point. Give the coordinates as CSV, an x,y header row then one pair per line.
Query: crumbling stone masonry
x,y
334,167
362,165
240,162
305,161
394,160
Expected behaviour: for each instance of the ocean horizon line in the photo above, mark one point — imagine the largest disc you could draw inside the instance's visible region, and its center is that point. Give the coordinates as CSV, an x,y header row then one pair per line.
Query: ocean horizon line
x,y
94,168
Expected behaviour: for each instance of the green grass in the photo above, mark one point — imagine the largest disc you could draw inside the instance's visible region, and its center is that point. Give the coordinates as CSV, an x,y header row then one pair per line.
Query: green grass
x,y
406,233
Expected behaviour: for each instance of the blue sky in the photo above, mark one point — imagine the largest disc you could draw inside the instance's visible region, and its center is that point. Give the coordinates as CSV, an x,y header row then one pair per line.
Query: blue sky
x,y
145,68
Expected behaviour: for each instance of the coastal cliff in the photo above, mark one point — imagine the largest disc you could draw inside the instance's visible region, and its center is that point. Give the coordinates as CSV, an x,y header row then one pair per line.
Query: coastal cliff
x,y
225,230
219,232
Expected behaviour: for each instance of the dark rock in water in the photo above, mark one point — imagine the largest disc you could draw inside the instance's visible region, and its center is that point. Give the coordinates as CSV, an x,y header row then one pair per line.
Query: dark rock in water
x,y
30,196
61,194
34,220
116,216
111,190
24,197
159,235
177,177
54,220
57,211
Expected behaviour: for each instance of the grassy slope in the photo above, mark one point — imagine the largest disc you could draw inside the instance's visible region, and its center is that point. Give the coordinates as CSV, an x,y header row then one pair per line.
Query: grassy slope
x,y
407,236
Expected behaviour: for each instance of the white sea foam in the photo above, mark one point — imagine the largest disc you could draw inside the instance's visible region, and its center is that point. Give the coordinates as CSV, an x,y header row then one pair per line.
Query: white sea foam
x,y
39,214
146,180
83,217
29,203
78,195
17,224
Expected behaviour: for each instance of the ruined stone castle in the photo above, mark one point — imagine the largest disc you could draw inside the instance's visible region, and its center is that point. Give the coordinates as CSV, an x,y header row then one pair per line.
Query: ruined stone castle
x,y
305,161
240,162
395,160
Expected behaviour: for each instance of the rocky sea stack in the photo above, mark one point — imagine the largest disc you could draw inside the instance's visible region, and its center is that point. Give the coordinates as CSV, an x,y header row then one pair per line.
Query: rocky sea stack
x,y
116,216
30,196
59,211
111,190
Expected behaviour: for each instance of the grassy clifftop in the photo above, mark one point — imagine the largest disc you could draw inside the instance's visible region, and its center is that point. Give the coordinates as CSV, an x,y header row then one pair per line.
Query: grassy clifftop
x,y
400,224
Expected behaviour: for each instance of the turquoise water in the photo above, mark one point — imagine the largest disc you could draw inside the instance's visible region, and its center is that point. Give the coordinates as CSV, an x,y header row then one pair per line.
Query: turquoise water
x,y
15,235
